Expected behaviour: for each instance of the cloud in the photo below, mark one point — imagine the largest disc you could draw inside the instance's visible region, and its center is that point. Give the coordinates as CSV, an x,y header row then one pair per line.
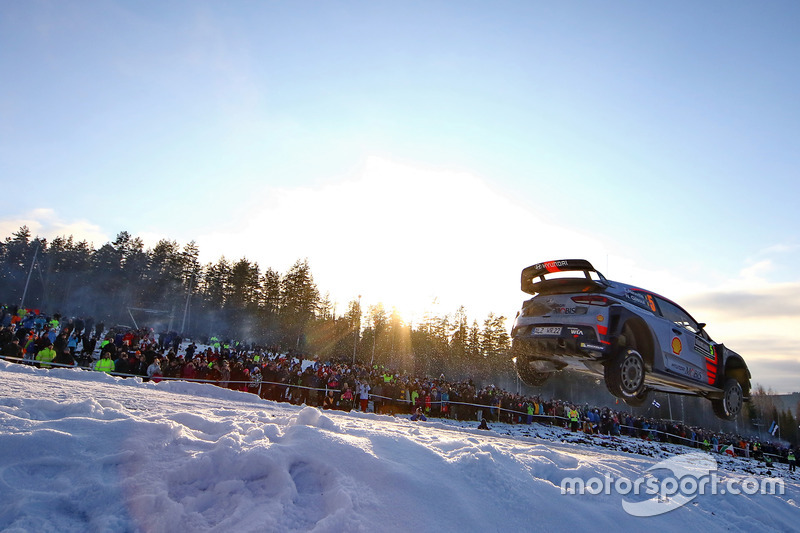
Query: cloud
x,y
776,249
48,224
406,235
781,375
403,234
756,273
759,324
775,300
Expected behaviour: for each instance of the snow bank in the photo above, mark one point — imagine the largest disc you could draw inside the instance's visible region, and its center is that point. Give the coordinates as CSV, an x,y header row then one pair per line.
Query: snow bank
x,y
83,451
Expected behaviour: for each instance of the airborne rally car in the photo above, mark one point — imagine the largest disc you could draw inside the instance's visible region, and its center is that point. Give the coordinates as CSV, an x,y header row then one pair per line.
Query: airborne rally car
x,y
637,340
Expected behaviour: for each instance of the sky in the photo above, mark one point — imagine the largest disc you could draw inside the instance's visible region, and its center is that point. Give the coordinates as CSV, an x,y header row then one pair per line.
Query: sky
x,y
420,154
84,451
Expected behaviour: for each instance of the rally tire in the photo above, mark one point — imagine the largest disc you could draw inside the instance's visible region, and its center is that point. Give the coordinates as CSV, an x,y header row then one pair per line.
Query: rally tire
x,y
625,374
530,376
730,405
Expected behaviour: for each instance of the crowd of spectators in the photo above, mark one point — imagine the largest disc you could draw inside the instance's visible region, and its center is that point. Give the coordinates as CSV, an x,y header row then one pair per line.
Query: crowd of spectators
x,y
34,338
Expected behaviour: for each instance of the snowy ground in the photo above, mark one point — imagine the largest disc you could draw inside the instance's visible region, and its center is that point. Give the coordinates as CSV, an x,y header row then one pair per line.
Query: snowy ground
x,y
83,451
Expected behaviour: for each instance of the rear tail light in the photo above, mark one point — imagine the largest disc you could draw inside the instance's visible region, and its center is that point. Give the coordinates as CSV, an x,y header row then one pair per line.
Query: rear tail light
x,y
593,299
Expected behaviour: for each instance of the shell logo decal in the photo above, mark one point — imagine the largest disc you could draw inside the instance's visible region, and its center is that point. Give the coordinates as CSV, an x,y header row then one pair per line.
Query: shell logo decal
x,y
676,346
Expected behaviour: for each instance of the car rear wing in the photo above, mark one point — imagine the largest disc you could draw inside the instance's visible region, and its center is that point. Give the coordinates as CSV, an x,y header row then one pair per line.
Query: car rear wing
x,y
533,277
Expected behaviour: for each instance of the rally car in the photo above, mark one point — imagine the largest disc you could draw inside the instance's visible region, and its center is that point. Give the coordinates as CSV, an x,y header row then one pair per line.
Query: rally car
x,y
637,340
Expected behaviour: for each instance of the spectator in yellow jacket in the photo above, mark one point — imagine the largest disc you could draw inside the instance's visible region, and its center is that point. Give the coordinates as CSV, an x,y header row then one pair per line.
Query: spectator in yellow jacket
x,y
46,355
105,363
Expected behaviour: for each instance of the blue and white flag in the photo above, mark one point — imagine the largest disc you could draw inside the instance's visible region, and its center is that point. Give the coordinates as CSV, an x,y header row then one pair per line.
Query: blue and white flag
x,y
775,429
772,428
656,404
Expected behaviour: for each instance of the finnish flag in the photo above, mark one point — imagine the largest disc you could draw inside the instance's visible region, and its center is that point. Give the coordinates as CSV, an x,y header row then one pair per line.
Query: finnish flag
x,y
656,404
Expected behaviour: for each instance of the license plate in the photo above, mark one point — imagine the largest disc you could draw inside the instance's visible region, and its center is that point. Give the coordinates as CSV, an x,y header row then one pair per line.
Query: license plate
x,y
547,331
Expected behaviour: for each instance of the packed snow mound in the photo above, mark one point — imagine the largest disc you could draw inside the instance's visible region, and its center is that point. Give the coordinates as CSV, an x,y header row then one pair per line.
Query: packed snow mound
x,y
311,416
82,451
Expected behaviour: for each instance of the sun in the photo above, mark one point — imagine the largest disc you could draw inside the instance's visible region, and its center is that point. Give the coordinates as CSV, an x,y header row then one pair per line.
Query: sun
x,y
404,234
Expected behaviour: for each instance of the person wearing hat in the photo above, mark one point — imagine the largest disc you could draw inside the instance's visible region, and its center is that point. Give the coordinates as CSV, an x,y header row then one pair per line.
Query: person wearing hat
x,y
329,402
12,349
254,376
64,357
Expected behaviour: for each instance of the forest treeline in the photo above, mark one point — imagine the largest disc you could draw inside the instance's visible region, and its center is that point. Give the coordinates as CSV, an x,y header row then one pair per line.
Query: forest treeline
x,y
167,287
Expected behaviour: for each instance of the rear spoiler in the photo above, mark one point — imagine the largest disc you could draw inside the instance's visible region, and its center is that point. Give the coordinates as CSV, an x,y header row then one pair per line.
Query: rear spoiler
x,y
539,270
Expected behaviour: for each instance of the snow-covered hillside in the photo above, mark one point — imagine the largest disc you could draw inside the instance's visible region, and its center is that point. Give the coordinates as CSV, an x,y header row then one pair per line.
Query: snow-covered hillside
x,y
83,451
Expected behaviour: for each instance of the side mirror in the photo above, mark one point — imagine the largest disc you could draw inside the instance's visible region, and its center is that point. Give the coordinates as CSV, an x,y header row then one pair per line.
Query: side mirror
x,y
701,326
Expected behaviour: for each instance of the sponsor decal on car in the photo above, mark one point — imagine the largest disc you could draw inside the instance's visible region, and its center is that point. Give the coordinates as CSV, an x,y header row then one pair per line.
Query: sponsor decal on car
x,y
704,348
577,332
677,346
678,368
686,370
551,266
591,346
636,298
641,299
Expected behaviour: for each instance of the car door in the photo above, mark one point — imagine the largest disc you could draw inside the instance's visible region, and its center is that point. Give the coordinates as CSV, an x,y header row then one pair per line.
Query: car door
x,y
685,348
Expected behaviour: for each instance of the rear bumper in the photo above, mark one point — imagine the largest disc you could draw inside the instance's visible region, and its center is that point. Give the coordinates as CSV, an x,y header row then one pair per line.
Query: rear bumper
x,y
574,342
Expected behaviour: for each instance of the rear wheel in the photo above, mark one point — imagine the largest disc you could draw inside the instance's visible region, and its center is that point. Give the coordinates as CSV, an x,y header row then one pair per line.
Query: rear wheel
x,y
624,375
730,405
530,376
